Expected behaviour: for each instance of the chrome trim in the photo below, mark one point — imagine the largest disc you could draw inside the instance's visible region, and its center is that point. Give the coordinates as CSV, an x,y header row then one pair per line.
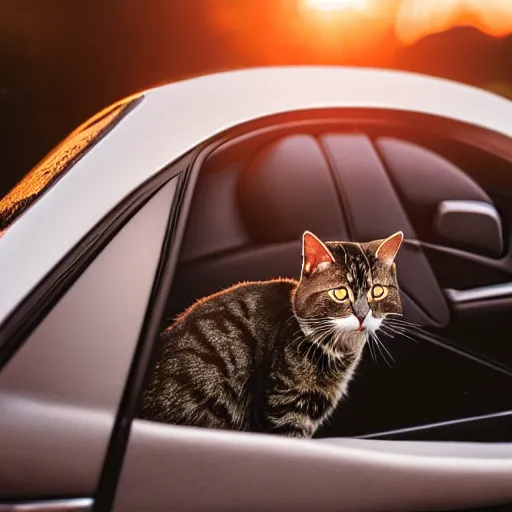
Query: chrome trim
x,y
72,505
474,207
440,424
495,291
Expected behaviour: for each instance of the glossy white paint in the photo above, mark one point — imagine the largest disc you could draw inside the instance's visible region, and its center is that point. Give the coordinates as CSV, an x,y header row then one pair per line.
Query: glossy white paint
x,y
173,119
254,472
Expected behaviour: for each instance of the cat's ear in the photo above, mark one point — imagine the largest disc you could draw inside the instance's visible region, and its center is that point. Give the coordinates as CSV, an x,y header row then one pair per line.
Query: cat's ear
x,y
315,254
388,248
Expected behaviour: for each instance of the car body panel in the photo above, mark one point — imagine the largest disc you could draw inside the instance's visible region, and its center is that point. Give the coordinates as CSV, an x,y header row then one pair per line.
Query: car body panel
x,y
169,467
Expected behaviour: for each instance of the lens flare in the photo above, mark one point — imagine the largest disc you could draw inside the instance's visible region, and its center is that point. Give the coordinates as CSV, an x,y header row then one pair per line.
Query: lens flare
x,y
335,5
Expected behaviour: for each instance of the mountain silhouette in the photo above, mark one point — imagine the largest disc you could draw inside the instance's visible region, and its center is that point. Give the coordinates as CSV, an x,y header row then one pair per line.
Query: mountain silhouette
x,y
463,54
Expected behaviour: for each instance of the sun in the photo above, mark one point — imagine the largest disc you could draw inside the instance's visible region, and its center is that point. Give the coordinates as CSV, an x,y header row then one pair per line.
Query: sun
x,y
335,5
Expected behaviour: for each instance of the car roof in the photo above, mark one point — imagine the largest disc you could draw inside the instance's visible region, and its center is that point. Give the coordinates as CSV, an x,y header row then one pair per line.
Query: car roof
x,y
171,120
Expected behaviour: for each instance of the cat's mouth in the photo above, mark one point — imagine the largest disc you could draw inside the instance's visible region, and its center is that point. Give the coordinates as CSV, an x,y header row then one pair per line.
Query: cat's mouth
x,y
357,324
361,320
350,324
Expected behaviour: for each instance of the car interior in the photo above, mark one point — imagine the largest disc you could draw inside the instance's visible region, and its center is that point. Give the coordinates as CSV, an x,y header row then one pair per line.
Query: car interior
x,y
362,175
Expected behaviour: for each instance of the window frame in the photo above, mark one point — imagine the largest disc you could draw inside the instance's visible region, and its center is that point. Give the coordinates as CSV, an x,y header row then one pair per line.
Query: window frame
x,y
34,308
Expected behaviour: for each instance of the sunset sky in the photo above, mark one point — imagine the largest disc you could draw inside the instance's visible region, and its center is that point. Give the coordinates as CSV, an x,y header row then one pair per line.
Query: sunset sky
x,y
356,29
413,19
62,62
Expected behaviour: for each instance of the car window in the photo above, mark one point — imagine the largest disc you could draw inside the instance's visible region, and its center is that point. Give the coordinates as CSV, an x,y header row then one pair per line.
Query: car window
x,y
244,223
54,165
59,393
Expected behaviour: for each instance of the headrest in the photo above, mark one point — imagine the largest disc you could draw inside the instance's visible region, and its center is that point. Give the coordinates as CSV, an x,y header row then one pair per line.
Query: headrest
x,y
287,189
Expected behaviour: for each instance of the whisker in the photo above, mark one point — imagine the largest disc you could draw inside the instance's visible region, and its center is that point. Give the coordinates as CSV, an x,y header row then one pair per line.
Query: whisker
x,y
396,328
390,318
380,350
317,342
379,343
312,346
387,333
370,348
402,323
400,333
300,344
404,326
330,358
399,328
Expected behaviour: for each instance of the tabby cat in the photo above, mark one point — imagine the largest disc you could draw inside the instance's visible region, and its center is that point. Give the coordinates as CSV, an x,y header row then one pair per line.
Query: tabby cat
x,y
276,356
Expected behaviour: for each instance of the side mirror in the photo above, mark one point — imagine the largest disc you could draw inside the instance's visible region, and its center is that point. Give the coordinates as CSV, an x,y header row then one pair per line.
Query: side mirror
x,y
470,225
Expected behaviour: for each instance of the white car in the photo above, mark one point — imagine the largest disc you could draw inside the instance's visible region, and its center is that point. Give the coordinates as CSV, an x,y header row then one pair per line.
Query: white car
x,y
184,189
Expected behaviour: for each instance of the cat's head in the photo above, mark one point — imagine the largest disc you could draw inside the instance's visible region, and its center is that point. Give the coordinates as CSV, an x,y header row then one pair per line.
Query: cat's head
x,y
347,287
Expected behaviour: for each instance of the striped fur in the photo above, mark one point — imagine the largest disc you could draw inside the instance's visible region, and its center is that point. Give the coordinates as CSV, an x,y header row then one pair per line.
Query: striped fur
x,y
268,356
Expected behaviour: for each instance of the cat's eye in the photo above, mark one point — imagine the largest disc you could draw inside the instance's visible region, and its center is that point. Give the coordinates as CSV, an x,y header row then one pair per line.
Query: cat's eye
x,y
339,294
378,292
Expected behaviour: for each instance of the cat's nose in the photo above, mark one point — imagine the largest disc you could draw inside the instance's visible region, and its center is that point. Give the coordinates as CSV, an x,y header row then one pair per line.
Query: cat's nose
x,y
361,320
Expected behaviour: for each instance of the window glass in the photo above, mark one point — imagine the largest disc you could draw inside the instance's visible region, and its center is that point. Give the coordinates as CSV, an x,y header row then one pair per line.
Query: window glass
x,y
60,392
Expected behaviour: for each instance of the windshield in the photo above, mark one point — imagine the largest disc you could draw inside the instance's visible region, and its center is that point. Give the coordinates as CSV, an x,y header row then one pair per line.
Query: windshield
x,y
64,61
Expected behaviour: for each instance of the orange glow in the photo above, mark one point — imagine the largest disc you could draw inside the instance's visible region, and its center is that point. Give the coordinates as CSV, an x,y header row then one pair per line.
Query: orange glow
x,y
410,19
351,32
418,18
346,29
335,5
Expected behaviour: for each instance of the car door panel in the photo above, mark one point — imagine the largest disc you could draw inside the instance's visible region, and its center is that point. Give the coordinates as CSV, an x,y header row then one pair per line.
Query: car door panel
x,y
188,469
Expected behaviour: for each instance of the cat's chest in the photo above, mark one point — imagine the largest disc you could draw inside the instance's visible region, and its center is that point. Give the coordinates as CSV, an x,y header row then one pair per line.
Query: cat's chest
x,y
328,379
